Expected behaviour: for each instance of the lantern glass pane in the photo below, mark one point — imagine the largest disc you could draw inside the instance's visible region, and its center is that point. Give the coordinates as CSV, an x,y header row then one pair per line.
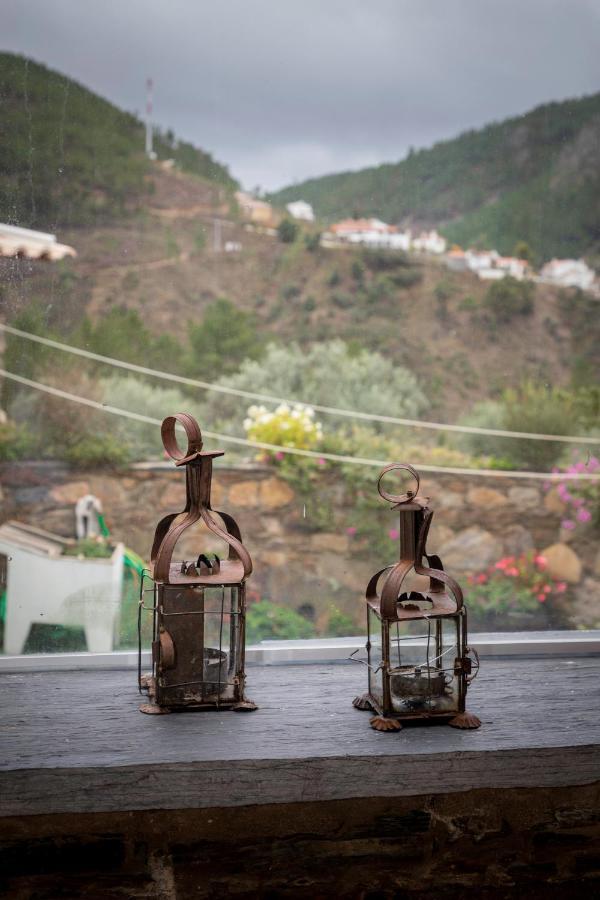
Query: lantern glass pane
x,y
374,659
204,625
421,675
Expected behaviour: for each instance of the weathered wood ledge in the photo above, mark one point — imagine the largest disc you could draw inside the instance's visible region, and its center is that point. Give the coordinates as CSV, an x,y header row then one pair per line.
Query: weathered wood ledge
x,y
75,742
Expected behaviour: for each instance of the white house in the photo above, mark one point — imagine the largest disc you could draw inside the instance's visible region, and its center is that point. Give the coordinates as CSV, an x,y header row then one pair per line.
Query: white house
x,y
429,242
43,585
568,273
24,243
299,209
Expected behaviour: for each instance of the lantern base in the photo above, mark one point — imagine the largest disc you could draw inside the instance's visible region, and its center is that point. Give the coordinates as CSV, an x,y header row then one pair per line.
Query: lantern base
x,y
382,723
244,706
363,702
465,720
153,709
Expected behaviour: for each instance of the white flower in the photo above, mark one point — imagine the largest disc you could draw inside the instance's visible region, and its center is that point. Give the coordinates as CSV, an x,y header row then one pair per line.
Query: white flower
x,y
247,423
252,410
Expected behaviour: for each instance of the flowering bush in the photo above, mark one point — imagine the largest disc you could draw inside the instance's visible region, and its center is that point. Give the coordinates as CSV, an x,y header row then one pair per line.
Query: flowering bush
x,y
513,584
581,498
288,426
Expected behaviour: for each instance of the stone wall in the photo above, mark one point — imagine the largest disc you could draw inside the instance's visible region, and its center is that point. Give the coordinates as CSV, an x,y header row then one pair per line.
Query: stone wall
x,y
528,844
477,521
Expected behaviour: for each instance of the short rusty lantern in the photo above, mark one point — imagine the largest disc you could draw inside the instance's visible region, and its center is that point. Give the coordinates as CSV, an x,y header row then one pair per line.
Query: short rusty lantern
x,y
419,662
198,606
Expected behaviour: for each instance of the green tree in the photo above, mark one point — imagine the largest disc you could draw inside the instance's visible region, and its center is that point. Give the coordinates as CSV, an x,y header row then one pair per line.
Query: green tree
x,y
287,231
523,251
508,298
224,339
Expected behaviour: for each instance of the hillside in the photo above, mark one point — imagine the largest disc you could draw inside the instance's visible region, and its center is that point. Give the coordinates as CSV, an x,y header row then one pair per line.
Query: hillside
x,y
535,178
417,314
73,158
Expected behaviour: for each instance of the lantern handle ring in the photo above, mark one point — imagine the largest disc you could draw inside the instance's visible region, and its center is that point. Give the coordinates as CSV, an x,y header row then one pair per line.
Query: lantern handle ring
x,y
399,498
192,431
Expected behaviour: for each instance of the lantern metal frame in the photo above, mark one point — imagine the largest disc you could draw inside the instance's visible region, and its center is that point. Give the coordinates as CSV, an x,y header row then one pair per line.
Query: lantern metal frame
x,y
399,688
188,600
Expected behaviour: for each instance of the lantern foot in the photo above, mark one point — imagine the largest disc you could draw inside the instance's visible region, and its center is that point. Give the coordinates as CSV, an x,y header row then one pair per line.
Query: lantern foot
x,y
146,681
465,720
153,709
362,702
244,706
381,723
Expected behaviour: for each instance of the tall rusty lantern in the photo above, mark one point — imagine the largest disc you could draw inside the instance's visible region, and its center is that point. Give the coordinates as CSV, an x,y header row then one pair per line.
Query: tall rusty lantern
x,y
198,606
419,662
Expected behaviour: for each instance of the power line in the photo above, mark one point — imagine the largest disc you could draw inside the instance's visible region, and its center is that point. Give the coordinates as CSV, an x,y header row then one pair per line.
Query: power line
x,y
294,451
267,398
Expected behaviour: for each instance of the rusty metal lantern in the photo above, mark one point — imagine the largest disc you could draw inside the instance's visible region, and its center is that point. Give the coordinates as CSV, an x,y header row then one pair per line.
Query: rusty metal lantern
x,y
418,658
198,606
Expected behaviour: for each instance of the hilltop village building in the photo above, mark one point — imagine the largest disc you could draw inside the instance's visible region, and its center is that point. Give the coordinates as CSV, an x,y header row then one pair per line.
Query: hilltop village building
x,y
487,264
568,273
375,233
257,211
299,209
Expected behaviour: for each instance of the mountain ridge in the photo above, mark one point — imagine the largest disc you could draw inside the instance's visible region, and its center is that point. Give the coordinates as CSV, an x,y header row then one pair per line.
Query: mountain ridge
x,y
533,177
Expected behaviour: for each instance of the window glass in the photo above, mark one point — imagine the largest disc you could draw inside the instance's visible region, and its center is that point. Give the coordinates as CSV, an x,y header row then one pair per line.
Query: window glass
x,y
338,236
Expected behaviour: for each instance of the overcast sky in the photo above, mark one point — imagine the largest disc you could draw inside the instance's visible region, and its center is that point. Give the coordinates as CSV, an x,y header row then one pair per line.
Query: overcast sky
x,y
282,90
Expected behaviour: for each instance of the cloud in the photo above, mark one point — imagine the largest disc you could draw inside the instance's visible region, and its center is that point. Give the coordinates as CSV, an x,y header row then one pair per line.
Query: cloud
x,y
284,90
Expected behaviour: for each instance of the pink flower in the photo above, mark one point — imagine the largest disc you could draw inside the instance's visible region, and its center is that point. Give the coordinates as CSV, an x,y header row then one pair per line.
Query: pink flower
x,y
541,598
593,463
481,578
583,515
351,531
321,461
512,571
540,561
546,589
547,485
560,587
567,524
393,534
279,456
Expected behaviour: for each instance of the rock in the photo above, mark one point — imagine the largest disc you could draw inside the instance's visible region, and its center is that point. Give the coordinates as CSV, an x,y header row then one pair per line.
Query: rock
x,y
336,542
553,503
562,563
70,492
517,540
585,610
274,493
471,550
485,497
173,497
525,497
273,558
244,493
447,499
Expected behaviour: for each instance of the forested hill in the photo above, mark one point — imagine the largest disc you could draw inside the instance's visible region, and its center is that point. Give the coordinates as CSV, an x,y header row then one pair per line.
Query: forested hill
x,y
71,157
534,178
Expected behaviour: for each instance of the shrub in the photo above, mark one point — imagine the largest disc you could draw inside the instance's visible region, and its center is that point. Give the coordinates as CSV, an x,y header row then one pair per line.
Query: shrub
x,y
289,291
358,271
340,625
16,442
330,374
287,426
96,451
384,260
581,498
342,300
312,242
405,278
267,620
513,584
508,298
310,303
90,548
287,231
334,279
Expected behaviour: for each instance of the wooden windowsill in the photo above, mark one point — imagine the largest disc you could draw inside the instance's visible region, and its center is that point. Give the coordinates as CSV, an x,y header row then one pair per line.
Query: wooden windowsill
x,y
74,742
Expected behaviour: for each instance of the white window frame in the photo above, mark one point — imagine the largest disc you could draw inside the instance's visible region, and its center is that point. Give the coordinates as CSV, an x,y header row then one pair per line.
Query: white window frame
x,y
497,645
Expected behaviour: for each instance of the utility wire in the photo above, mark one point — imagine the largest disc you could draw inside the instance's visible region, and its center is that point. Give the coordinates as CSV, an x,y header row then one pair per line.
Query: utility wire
x,y
294,451
268,398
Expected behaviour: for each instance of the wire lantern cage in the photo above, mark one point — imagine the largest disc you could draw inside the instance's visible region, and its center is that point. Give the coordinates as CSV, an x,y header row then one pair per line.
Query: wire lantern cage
x,y
418,659
198,606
